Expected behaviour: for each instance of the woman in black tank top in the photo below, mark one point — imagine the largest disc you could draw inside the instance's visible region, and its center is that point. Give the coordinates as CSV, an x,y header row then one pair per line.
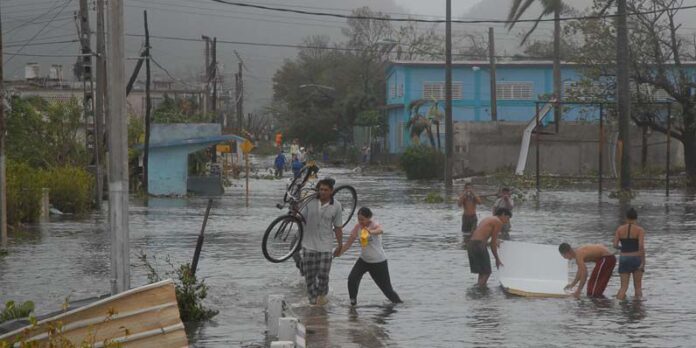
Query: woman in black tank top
x,y
629,238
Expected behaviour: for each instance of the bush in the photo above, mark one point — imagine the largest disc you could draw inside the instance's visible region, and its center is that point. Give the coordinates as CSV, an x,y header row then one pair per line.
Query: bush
x,y
422,162
16,311
23,193
71,189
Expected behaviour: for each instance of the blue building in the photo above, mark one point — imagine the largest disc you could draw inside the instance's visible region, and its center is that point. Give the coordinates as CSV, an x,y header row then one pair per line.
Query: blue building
x,y
519,85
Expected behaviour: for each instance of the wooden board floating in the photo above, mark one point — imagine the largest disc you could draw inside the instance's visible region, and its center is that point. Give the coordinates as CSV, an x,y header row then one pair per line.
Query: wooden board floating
x,y
147,316
532,270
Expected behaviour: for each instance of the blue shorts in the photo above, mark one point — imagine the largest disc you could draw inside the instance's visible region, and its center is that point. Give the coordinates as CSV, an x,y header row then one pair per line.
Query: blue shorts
x,y
629,264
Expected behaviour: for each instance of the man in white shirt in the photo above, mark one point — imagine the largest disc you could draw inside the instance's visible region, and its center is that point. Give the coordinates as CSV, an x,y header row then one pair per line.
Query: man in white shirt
x,y
323,223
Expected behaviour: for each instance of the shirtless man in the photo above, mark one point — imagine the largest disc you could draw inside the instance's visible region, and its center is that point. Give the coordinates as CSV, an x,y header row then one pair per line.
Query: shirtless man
x,y
479,261
604,265
468,199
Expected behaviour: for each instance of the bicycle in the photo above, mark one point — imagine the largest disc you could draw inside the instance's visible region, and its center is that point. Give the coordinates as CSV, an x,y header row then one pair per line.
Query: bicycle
x,y
283,237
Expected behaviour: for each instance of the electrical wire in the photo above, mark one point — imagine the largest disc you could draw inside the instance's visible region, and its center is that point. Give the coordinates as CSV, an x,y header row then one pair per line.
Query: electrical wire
x,y
42,43
460,21
37,33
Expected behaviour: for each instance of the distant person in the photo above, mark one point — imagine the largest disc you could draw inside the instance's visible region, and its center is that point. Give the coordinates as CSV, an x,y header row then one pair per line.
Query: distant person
x,y
505,201
301,155
631,237
365,154
295,147
477,247
604,266
296,166
323,216
468,200
279,164
372,257
279,140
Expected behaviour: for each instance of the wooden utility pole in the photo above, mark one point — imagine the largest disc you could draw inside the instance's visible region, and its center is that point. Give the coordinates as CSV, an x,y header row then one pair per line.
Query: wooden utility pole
x,y
148,107
100,105
213,76
3,173
491,59
88,97
623,99
240,98
449,142
118,152
558,109
206,96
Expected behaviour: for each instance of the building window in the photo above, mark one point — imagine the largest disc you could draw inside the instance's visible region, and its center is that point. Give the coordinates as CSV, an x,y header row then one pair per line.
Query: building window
x,y
583,90
392,90
437,90
507,90
401,90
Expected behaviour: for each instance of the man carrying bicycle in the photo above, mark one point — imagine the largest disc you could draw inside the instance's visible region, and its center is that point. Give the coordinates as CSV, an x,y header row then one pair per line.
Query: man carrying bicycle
x,y
323,223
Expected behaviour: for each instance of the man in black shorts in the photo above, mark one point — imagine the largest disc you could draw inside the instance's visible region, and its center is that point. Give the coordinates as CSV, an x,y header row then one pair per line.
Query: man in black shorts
x,y
477,248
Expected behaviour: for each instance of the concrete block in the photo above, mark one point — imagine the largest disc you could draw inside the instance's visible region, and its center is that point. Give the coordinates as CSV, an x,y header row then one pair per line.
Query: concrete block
x,y
282,344
274,311
287,329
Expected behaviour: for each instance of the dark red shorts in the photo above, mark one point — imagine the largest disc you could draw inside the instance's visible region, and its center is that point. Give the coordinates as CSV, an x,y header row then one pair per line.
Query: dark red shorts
x,y
600,276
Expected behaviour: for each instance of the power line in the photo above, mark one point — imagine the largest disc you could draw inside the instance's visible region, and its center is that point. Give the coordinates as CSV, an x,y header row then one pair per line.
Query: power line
x,y
42,43
46,55
460,21
37,33
348,49
152,59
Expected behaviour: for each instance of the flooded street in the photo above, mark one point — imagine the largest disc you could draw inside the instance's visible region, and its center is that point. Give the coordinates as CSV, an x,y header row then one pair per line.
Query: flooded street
x,y
428,266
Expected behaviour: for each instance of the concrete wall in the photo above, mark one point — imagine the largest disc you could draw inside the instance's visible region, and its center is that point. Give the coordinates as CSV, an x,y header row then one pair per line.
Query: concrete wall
x,y
487,147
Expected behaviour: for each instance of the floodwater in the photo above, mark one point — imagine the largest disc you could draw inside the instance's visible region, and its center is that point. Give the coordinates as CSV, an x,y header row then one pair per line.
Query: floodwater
x,y
429,269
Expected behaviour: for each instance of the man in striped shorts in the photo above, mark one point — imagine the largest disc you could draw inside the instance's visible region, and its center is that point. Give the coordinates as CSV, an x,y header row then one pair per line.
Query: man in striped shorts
x,y
604,266
323,223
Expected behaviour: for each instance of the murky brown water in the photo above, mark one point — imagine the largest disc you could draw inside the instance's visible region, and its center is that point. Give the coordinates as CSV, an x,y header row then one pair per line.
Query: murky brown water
x,y
429,270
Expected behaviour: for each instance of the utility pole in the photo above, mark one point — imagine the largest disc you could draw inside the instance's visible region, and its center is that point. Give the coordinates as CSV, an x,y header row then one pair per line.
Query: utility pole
x,y
240,98
3,173
100,106
558,109
491,59
449,142
118,152
623,99
148,107
88,96
213,71
207,74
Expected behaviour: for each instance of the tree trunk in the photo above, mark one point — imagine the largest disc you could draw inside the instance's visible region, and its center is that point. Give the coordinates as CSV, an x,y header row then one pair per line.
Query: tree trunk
x,y
689,143
557,66
644,149
437,130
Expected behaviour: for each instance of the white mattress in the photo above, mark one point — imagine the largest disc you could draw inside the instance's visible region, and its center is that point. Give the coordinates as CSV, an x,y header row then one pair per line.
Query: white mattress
x,y
532,269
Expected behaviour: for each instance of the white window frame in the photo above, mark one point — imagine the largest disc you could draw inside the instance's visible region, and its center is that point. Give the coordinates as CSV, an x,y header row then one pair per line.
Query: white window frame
x,y
436,89
400,134
514,90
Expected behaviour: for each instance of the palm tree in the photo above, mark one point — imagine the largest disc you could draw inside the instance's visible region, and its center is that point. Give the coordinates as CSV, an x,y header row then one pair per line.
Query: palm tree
x,y
518,8
435,116
418,123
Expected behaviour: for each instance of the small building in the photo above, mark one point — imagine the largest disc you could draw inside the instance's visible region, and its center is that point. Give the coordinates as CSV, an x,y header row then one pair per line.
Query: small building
x,y
170,146
519,85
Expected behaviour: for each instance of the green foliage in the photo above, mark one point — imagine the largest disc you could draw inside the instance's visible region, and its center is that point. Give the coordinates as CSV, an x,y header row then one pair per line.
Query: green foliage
x,y
13,311
433,197
179,110
70,188
23,193
190,292
422,162
45,134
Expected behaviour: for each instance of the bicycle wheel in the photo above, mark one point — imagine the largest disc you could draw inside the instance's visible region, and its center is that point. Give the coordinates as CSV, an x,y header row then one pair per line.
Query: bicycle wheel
x,y
348,197
282,238
299,181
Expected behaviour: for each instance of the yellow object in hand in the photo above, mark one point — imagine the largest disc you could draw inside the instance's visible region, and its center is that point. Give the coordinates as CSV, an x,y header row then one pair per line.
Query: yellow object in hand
x,y
364,235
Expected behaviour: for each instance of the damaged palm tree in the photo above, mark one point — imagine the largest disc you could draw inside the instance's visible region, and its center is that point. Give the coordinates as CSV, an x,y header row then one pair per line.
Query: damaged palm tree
x,y
418,123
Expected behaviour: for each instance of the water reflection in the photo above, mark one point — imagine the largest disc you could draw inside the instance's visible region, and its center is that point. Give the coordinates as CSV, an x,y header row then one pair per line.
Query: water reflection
x,y
632,310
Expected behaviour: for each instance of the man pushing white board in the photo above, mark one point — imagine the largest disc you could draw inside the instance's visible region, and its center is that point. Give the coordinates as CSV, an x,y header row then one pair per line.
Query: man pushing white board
x,y
532,270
